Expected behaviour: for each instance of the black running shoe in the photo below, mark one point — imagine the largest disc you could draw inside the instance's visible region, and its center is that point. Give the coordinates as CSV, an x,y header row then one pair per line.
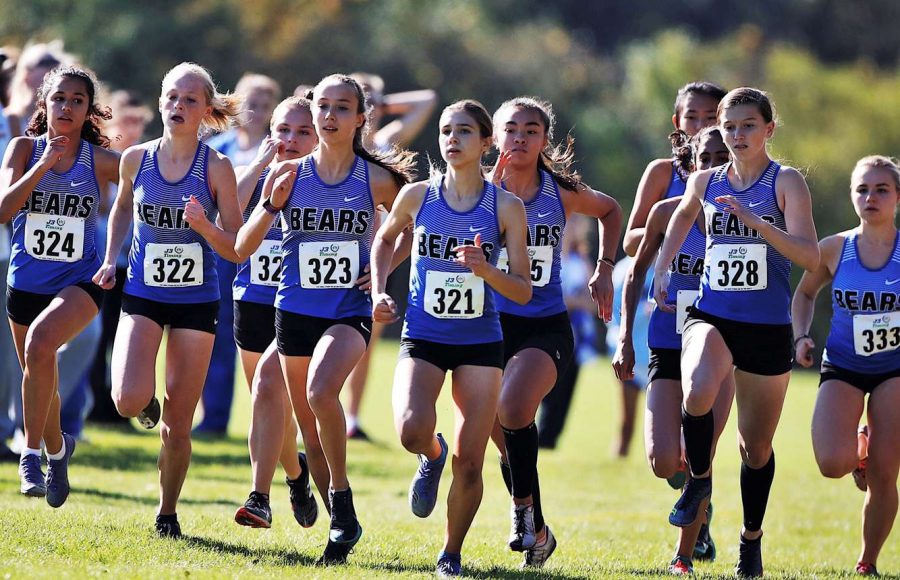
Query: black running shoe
x,y
358,434
167,526
344,531
749,564
255,513
705,548
303,502
149,417
685,511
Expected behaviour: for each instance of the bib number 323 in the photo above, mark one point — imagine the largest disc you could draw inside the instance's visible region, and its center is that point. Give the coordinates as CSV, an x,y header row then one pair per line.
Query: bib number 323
x,y
329,264
265,264
54,238
173,265
452,295
738,267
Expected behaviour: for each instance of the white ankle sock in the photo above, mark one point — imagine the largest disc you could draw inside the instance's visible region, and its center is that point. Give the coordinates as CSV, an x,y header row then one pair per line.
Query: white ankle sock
x,y
60,454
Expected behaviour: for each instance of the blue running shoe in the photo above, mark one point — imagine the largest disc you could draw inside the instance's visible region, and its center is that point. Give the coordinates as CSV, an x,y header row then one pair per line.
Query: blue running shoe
x,y
449,565
685,511
58,474
705,548
33,483
423,490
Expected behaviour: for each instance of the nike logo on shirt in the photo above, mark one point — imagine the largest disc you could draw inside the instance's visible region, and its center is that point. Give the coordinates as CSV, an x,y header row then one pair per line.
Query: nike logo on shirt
x,y
543,215
77,183
473,229
349,199
754,204
891,282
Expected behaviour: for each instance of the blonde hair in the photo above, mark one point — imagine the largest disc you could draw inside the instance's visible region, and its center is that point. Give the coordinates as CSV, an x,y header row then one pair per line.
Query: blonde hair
x,y
22,98
225,106
252,81
881,162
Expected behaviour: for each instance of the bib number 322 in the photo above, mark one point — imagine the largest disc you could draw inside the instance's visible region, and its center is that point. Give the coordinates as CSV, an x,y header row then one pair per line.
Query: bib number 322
x,y
173,265
738,267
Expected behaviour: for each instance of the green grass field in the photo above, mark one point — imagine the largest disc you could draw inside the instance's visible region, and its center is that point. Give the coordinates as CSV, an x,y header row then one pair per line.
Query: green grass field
x,y
609,515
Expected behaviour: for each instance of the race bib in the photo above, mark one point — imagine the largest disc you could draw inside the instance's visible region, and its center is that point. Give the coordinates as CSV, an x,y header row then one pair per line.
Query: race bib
x,y
54,238
541,259
173,265
454,295
738,267
685,299
875,333
329,264
265,264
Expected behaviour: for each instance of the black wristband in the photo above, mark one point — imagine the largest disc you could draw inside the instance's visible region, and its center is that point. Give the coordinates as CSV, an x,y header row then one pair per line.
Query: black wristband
x,y
267,205
799,338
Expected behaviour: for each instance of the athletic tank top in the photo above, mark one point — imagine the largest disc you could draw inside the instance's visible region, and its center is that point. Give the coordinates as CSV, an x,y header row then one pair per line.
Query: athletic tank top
x,y
684,287
677,185
447,302
257,278
170,262
546,222
744,278
865,321
327,242
54,241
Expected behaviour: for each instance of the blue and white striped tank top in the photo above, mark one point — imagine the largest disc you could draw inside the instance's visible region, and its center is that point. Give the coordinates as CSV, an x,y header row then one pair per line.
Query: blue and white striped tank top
x,y
744,278
677,184
257,278
327,242
865,321
170,262
684,286
447,302
54,240
546,222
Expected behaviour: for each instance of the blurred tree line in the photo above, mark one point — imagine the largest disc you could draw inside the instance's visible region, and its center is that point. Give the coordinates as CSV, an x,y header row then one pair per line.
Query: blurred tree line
x,y
611,69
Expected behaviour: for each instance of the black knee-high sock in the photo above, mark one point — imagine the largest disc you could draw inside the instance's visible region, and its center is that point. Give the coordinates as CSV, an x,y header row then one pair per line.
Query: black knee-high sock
x,y
755,486
538,511
698,439
521,452
507,475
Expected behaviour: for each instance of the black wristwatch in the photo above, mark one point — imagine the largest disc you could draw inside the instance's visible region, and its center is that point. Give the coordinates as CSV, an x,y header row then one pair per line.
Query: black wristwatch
x,y
267,205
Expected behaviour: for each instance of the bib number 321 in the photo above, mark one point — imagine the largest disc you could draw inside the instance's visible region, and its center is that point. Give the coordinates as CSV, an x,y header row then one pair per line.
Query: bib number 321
x,y
452,295
738,267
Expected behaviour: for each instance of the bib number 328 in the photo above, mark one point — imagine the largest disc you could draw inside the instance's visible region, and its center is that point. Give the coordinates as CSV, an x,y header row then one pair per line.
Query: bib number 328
x,y
173,265
738,267
452,295
265,264
54,238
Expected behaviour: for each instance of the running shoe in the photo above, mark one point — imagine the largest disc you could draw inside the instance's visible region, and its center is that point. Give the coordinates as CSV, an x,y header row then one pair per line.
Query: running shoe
x,y
345,530
167,526
685,511
255,513
449,565
58,474
358,434
749,564
705,548
303,502
149,417
537,555
859,474
866,569
679,478
681,566
33,483
522,533
423,490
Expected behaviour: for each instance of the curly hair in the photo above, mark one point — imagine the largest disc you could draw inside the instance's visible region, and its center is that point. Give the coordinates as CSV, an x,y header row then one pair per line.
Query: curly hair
x,y
92,129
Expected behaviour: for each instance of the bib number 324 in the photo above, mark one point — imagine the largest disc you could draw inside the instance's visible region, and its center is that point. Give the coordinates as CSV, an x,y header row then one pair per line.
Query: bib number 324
x,y
54,238
738,267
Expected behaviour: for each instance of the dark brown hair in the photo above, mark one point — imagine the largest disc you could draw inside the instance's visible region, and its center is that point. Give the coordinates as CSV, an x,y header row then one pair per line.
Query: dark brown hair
x,y
684,148
555,159
399,162
92,129
748,96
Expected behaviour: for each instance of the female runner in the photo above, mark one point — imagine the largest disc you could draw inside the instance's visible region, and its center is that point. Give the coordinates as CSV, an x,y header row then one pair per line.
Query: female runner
x,y
460,222
862,352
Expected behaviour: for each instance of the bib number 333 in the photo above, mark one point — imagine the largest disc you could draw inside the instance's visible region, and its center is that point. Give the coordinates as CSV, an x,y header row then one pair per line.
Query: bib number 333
x,y
738,267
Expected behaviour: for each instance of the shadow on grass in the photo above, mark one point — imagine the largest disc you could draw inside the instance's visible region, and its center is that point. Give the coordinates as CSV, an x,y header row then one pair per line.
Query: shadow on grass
x,y
261,556
143,458
115,495
476,571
